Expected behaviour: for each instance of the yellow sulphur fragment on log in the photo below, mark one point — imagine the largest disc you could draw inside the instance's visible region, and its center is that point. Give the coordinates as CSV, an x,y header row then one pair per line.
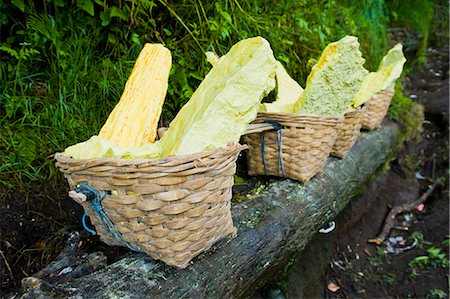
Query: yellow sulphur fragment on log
x,y
384,78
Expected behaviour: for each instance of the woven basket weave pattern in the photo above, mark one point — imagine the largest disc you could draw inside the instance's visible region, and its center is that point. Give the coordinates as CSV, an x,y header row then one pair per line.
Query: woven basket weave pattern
x,y
305,145
172,208
348,133
376,109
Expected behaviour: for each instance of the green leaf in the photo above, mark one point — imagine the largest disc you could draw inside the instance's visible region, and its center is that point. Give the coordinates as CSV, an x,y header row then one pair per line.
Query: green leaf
x,y
105,18
3,19
117,12
26,149
101,3
303,24
87,6
10,51
287,42
227,17
167,32
59,3
214,26
238,180
111,38
135,38
19,4
421,258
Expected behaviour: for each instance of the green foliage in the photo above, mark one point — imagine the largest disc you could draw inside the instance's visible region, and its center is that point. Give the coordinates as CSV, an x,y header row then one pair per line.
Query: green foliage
x,y
407,113
416,16
238,180
434,258
439,28
387,278
370,22
64,63
60,79
437,293
421,242
410,116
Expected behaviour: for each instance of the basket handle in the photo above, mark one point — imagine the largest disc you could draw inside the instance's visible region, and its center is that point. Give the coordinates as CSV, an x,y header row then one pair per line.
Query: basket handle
x,y
79,197
83,193
258,128
86,193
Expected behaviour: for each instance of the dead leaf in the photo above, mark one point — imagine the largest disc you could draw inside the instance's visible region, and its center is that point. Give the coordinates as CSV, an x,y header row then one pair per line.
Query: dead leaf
x,y
6,244
41,244
332,287
420,207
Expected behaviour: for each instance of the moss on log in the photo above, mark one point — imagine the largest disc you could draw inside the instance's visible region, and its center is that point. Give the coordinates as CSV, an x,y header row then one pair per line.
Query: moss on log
x,y
273,226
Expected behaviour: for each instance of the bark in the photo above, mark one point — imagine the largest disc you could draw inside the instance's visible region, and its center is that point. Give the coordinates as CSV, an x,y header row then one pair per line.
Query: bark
x,y
273,226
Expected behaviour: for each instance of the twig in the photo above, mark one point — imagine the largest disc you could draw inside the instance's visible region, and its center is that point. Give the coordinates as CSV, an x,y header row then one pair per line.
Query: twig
x,y
390,219
9,268
401,227
433,173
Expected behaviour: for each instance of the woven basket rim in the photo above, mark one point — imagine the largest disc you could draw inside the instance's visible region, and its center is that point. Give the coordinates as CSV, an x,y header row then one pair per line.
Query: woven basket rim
x,y
230,147
298,115
386,91
292,119
352,113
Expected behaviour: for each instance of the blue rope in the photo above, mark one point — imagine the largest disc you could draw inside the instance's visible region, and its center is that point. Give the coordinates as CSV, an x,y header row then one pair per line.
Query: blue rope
x,y
95,199
279,134
263,151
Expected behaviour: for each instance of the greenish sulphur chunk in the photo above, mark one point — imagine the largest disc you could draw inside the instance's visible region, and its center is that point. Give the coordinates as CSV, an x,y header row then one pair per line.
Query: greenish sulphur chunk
x,y
334,80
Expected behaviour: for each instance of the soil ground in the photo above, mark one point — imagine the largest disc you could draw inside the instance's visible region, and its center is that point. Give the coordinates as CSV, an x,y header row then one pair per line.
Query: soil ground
x,y
362,270
33,228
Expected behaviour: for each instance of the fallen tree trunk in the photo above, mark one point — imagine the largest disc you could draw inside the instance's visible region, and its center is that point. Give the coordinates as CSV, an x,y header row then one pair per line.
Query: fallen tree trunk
x,y
273,226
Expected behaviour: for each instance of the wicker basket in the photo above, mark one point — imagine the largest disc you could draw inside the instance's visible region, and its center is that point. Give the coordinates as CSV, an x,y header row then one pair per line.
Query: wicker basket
x,y
376,109
348,133
171,208
297,150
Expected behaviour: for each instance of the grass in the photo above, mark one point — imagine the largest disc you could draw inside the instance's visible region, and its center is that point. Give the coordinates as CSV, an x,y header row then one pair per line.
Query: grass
x,y
407,113
416,16
54,103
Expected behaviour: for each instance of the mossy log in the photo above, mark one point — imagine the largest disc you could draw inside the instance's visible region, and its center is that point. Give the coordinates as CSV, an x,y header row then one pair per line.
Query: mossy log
x,y
273,226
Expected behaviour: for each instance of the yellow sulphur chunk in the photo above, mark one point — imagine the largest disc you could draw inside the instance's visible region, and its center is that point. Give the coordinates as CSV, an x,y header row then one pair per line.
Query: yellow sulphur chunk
x,y
225,102
96,147
218,112
134,120
288,92
384,78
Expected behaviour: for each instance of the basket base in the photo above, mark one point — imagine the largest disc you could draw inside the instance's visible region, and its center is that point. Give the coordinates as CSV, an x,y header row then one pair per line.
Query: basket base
x,y
376,109
171,209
